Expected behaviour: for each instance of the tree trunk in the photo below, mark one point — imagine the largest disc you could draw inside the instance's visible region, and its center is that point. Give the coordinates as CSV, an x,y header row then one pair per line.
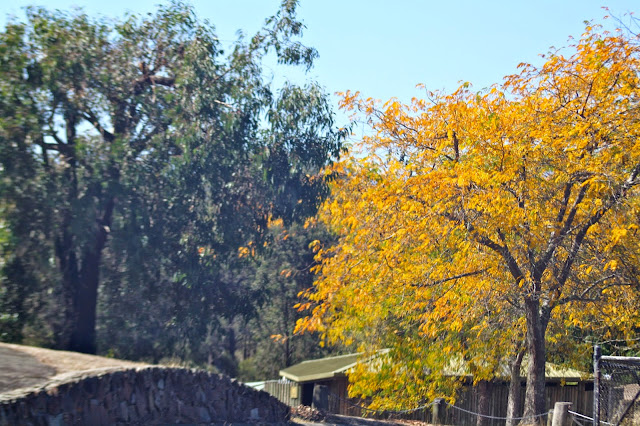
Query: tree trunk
x,y
68,265
83,335
232,343
534,401
482,389
513,401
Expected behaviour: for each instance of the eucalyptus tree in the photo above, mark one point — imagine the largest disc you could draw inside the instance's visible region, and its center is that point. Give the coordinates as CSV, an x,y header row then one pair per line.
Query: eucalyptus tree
x,y
138,154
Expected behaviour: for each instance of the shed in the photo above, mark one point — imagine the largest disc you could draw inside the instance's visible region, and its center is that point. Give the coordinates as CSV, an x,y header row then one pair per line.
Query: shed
x,y
562,384
331,372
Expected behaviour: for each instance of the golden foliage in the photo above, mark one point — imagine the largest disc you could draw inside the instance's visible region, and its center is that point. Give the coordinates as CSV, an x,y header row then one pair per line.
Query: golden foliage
x,y
464,207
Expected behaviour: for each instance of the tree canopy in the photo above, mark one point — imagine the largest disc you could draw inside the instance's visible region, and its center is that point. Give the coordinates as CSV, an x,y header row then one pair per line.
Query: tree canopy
x,y
477,226
136,159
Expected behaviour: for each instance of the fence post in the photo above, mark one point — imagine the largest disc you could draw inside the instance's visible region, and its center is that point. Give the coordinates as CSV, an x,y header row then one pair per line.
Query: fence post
x,y
437,411
597,353
561,416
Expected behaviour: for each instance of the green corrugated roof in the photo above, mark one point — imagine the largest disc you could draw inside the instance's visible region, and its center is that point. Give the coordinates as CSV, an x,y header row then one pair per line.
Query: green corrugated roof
x,y
319,369
326,368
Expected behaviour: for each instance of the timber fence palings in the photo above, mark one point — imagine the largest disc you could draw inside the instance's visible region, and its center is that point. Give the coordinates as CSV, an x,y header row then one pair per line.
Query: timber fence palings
x,y
283,391
400,414
396,414
465,412
484,416
466,405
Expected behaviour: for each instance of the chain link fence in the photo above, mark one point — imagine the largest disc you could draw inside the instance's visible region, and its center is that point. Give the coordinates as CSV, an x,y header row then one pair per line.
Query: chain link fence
x,y
617,390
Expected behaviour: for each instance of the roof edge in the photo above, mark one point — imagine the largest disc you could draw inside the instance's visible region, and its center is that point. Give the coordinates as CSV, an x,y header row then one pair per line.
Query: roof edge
x,y
310,378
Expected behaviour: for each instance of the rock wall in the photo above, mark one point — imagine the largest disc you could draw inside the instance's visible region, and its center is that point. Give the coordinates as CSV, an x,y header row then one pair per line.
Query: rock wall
x,y
141,396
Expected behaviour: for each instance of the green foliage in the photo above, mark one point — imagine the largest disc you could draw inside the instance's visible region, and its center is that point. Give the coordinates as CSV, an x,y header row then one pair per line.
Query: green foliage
x,y
135,160
283,270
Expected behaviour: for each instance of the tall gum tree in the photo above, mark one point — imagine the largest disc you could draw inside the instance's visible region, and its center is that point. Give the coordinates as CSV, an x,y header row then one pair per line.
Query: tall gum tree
x,y
487,221
146,129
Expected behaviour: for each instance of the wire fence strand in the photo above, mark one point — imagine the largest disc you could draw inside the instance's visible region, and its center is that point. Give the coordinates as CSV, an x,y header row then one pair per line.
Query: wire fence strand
x,y
582,416
425,406
386,412
496,417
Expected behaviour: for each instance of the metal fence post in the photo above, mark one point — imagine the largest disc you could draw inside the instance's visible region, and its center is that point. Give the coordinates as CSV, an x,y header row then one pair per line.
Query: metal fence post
x,y
597,353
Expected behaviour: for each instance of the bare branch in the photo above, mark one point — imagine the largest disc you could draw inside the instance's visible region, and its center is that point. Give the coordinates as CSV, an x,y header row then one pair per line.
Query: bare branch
x,y
91,118
555,240
504,251
583,295
565,201
455,277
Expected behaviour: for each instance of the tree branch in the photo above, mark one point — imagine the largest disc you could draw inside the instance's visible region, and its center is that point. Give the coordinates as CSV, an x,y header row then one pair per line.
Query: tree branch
x,y
504,251
91,118
555,240
565,201
455,277
613,199
583,294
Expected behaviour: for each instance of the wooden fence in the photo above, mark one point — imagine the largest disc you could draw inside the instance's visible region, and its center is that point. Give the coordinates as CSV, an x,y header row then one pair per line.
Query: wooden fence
x,y
580,394
286,391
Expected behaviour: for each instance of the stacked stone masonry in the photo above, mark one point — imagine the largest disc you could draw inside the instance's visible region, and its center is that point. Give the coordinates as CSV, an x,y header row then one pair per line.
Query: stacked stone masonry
x,y
149,395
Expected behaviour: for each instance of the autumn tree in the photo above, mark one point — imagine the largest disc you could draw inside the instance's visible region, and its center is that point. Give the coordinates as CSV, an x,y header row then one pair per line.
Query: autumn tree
x,y
474,224
133,154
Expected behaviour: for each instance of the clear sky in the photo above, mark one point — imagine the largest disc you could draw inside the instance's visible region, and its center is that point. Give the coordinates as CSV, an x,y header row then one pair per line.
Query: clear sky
x,y
383,48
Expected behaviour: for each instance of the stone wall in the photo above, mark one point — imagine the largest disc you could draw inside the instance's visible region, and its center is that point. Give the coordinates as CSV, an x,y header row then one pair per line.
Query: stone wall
x,y
141,396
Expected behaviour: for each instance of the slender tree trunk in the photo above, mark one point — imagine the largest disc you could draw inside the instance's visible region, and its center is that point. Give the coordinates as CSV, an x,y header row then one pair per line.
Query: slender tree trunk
x,y
515,387
287,352
232,343
482,389
534,402
68,266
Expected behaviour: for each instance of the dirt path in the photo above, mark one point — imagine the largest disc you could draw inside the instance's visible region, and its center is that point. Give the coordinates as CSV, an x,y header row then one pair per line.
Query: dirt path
x,y
27,366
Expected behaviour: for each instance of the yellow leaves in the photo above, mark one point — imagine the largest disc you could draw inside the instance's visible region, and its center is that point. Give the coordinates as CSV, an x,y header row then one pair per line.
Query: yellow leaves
x,y
617,234
279,338
610,265
315,245
446,193
243,252
456,325
275,223
204,251
310,222
249,250
349,100
302,306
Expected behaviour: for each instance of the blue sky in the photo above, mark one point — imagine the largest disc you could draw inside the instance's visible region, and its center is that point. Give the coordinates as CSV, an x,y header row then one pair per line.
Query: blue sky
x,y
384,48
